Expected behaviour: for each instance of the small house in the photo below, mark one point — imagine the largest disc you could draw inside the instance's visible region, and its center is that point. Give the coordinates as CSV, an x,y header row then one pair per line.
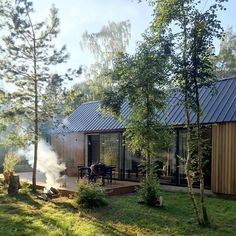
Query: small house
x,y
88,136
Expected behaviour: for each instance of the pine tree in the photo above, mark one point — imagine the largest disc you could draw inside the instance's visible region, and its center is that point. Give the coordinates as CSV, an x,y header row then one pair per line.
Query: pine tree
x,y
29,56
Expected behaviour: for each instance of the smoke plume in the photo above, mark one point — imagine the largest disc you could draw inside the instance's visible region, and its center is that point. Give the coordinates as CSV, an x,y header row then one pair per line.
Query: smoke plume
x,y
47,163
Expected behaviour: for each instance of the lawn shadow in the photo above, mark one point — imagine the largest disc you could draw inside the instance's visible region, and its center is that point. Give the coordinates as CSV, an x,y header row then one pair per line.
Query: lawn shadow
x,y
28,199
68,206
140,217
17,219
105,227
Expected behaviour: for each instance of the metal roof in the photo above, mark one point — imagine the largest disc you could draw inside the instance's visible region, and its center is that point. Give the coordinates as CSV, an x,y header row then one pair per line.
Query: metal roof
x,y
218,105
88,117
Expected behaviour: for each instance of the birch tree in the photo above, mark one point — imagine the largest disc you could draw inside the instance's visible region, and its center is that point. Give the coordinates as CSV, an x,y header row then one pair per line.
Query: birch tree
x,y
192,44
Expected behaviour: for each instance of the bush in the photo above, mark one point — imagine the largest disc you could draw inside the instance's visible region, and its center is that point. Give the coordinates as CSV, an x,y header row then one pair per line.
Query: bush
x,y
25,187
149,192
90,195
10,162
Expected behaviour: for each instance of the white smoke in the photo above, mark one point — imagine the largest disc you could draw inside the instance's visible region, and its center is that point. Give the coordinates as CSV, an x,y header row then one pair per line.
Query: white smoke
x,y
47,163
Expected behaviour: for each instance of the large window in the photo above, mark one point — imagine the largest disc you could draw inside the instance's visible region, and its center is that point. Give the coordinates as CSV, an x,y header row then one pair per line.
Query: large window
x,y
110,151
132,162
107,148
167,164
182,154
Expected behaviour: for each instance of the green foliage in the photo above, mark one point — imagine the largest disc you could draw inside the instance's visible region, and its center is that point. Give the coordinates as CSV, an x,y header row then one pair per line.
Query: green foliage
x,y
73,97
110,40
225,61
10,161
141,80
90,195
25,187
29,55
149,190
191,44
27,215
104,46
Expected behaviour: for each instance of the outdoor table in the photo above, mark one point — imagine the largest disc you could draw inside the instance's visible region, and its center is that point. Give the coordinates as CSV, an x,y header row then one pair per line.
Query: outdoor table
x,y
83,170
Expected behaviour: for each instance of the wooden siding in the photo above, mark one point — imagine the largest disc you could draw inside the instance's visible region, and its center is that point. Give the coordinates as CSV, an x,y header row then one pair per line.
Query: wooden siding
x,y
224,158
70,149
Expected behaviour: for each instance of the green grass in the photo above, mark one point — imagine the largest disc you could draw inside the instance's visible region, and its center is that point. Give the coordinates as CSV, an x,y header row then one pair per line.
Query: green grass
x,y
27,215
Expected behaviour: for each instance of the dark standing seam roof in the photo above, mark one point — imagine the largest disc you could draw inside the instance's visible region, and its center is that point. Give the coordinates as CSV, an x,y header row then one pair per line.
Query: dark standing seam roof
x,y
87,117
218,104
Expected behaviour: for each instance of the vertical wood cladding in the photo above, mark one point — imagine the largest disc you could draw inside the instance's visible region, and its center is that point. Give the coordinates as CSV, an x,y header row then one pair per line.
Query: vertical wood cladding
x,y
70,149
224,158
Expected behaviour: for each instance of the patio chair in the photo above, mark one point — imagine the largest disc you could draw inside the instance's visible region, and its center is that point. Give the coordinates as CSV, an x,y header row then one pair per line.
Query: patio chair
x,y
107,174
83,171
100,170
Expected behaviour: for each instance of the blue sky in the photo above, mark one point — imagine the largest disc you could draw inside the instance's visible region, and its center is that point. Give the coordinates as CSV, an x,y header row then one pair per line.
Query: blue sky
x,y
77,16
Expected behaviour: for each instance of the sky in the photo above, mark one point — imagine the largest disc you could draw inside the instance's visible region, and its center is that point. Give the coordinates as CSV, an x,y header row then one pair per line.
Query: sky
x,y
78,16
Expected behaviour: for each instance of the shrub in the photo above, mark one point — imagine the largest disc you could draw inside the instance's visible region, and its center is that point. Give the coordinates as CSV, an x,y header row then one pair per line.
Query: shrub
x,y
90,195
149,191
25,187
10,162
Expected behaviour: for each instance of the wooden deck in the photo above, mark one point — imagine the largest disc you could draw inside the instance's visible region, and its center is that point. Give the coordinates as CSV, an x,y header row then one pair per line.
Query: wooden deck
x,y
116,188
69,185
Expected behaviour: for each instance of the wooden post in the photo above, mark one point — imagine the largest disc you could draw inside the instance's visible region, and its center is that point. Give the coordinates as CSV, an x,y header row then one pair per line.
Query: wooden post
x,y
14,184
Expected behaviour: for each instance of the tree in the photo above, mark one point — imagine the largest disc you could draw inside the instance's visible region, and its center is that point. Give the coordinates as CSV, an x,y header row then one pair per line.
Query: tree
x,y
192,69
141,80
225,61
77,94
104,45
29,56
112,39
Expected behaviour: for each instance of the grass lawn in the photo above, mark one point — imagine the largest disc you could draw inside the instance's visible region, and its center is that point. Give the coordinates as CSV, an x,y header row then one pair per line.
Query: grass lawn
x,y
27,215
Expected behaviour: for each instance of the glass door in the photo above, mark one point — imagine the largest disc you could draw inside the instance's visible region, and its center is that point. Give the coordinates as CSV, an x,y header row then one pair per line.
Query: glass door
x,y
93,149
110,151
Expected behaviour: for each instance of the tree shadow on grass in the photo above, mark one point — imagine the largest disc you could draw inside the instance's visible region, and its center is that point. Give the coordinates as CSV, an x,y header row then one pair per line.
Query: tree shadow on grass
x,y
17,219
68,206
105,227
28,199
139,217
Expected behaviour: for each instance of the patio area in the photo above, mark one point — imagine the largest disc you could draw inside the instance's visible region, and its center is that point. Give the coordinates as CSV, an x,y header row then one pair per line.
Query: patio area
x,y
69,184
116,188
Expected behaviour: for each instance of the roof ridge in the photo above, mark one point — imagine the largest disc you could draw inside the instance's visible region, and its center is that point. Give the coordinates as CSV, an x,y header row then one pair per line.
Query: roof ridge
x,y
97,101
227,78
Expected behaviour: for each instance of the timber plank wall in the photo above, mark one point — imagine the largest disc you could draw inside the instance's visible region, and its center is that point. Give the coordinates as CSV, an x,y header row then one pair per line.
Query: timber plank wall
x,y
70,149
223,174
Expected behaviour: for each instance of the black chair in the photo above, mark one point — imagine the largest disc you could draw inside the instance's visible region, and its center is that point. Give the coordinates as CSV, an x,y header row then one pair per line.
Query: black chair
x,y
108,173
83,171
100,170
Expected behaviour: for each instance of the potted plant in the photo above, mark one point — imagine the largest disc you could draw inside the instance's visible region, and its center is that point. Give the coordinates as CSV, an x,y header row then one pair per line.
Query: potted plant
x,y
9,164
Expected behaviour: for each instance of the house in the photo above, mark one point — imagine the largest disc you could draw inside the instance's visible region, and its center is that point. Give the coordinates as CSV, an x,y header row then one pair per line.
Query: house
x,y
88,136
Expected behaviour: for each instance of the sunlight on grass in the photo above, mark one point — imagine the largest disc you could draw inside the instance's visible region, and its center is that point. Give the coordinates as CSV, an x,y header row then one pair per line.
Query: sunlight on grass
x,y
27,215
